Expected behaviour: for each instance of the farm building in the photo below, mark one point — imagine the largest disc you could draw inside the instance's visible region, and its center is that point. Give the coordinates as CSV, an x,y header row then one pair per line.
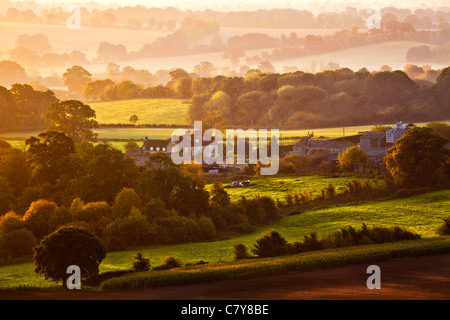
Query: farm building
x,y
307,147
396,132
374,144
154,145
332,147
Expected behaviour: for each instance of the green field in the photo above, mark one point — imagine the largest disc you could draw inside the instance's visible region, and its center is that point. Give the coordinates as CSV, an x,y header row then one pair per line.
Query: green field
x,y
149,111
421,214
140,133
278,186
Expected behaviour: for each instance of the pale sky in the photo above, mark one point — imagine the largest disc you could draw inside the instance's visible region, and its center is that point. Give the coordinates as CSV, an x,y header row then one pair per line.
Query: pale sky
x,y
232,5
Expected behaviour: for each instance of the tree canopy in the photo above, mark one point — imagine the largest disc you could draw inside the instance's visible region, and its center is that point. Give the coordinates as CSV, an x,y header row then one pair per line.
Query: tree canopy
x,y
65,247
418,158
74,118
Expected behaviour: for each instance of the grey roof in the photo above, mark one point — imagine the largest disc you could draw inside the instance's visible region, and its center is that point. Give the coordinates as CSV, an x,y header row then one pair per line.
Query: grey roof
x,y
325,144
374,151
155,143
373,135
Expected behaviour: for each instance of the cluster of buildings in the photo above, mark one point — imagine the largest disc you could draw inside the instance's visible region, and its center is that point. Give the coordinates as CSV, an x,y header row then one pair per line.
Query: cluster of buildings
x,y
375,144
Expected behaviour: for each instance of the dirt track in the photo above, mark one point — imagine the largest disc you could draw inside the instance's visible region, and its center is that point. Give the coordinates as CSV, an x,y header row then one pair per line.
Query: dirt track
x,y
426,278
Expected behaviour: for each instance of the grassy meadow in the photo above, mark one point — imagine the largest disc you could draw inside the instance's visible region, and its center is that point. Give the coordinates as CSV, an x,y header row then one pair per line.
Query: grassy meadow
x,y
421,214
278,186
149,111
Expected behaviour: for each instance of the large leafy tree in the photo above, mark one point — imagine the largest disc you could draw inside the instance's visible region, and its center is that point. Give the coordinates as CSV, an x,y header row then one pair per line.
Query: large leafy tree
x,y
74,119
65,247
31,105
11,72
76,79
219,196
441,92
417,158
15,169
102,172
182,192
50,156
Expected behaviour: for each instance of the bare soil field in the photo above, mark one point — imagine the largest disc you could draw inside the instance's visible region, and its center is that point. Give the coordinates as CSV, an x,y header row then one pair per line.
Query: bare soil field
x,y
424,278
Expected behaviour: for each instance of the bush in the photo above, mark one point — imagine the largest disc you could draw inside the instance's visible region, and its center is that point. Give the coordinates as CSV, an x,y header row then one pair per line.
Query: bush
x,y
311,242
354,186
207,229
140,263
133,230
330,190
240,252
16,243
169,263
38,216
444,229
271,244
402,193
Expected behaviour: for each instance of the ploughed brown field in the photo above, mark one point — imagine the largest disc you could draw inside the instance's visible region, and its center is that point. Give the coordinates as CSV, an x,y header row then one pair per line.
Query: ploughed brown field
x,y
423,278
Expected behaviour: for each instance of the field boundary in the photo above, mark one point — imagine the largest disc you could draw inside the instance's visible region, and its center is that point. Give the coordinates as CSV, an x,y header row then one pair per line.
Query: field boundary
x,y
254,268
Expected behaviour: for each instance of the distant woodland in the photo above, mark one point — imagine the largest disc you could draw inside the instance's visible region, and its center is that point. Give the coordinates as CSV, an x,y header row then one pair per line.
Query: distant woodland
x,y
140,17
198,33
324,96
287,100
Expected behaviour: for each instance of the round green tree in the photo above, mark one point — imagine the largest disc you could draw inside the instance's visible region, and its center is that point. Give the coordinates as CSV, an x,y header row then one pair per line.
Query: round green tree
x,y
350,156
417,158
65,247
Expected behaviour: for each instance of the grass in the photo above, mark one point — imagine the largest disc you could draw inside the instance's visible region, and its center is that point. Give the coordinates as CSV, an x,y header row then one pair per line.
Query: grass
x,y
421,214
149,111
112,133
278,186
252,268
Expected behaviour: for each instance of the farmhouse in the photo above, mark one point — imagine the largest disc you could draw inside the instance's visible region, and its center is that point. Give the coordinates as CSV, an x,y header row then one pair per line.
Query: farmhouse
x,y
396,132
155,145
331,147
374,144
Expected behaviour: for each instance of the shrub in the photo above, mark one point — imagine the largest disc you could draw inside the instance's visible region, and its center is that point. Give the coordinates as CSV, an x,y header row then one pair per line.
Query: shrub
x,y
140,263
402,193
11,221
330,190
289,199
354,186
271,244
444,229
38,216
132,147
169,263
207,229
131,231
125,200
16,243
311,242
240,252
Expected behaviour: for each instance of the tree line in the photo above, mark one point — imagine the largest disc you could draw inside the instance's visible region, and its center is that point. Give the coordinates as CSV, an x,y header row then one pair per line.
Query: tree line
x,y
56,182
290,100
141,17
